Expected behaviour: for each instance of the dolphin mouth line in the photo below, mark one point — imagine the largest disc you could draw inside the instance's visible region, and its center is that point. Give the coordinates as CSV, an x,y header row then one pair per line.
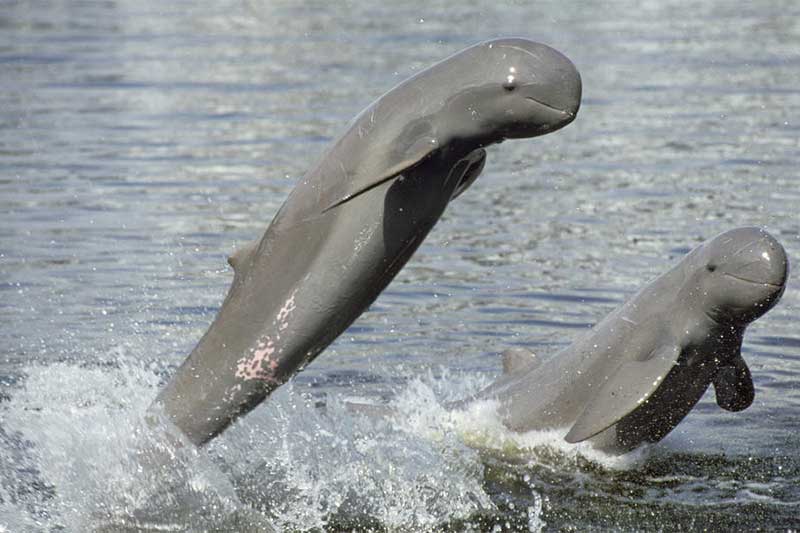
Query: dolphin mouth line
x,y
557,110
777,286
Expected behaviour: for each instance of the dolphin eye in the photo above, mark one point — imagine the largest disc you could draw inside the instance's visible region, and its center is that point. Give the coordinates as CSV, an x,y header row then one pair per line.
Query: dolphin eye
x,y
711,267
511,82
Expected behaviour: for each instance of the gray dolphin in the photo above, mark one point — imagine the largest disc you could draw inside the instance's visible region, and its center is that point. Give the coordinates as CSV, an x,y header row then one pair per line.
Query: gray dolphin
x,y
638,372
357,216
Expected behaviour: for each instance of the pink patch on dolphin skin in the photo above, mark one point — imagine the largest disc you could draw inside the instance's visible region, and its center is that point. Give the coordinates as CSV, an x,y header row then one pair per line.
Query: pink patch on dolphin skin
x,y
260,365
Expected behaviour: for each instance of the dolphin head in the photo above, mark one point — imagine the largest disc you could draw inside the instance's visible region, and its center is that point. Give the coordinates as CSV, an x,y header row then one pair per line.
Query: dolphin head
x,y
741,274
522,89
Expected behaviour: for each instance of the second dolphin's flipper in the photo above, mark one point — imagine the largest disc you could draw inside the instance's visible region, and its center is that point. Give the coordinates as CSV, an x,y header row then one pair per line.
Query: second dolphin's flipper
x,y
733,385
626,389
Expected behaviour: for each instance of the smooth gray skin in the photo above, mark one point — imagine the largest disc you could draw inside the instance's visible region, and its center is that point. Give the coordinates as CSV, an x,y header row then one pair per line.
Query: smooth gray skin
x,y
358,215
636,374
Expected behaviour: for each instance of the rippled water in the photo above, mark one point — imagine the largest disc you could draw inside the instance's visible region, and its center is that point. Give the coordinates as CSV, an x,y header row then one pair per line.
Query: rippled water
x,y
141,142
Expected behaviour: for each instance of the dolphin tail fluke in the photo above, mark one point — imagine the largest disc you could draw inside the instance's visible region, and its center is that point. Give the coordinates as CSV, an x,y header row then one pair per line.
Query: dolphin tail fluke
x,y
627,388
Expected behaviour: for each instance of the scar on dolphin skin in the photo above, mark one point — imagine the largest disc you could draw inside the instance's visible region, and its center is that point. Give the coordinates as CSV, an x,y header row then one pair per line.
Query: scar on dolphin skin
x,y
261,365
286,310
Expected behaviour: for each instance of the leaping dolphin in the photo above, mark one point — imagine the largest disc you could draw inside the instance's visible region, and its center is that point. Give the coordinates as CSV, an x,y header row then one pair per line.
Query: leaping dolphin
x,y
358,215
639,372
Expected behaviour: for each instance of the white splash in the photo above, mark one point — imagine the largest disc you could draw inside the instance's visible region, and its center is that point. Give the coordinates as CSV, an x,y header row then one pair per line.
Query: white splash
x,y
304,465
76,454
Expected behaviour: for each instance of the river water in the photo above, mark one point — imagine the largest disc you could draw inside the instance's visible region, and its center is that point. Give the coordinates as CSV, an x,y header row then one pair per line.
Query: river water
x,y
141,142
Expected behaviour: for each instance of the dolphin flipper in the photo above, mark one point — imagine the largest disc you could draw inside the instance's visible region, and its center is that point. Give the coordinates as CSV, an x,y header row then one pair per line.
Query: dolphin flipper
x,y
416,142
733,385
516,359
623,391
469,169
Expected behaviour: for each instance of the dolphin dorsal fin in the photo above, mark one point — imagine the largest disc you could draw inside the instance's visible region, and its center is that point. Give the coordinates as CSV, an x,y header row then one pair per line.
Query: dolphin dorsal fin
x,y
516,359
240,258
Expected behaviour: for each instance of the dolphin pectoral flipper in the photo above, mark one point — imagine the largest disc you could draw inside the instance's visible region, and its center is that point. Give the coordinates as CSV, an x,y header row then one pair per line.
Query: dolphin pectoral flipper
x,y
391,158
733,385
623,391
472,167
391,173
516,359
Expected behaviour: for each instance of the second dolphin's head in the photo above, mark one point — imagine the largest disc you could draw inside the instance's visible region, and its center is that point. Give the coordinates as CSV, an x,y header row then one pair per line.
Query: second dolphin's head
x,y
740,274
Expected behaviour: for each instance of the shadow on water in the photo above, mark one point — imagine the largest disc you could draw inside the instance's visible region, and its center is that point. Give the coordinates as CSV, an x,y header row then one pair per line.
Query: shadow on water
x,y
673,492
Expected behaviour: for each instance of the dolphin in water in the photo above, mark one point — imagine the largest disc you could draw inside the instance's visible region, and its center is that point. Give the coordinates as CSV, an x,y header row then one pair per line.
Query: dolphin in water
x,y
639,372
357,216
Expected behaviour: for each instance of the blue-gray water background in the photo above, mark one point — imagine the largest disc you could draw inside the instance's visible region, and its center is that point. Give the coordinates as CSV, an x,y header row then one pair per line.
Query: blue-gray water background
x,y
142,141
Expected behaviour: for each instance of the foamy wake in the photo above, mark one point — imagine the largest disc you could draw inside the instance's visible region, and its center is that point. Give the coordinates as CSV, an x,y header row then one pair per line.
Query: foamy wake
x,y
423,411
75,453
